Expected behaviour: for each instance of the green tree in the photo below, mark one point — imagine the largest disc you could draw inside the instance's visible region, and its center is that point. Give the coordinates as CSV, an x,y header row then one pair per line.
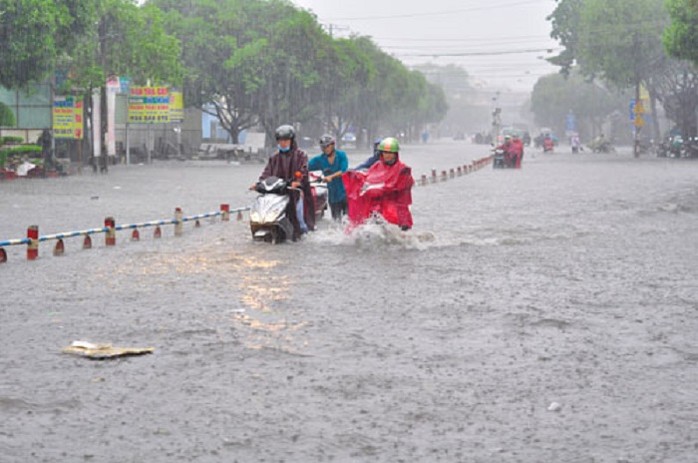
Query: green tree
x,y
681,37
676,87
33,33
347,73
7,117
565,27
555,95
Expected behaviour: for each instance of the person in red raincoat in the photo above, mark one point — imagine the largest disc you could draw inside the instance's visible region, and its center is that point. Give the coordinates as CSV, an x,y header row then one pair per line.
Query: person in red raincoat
x,y
517,150
508,148
386,189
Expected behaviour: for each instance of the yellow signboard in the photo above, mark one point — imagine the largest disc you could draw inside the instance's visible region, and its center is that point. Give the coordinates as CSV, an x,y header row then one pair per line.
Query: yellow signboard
x,y
176,107
149,105
67,117
639,121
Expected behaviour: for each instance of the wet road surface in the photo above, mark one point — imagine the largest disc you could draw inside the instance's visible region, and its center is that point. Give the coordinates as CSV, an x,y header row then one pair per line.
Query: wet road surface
x,y
570,281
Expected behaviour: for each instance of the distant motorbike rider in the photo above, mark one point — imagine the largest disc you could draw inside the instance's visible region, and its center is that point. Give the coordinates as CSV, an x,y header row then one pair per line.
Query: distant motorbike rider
x,y
575,143
385,188
517,150
375,157
291,164
548,144
333,164
508,149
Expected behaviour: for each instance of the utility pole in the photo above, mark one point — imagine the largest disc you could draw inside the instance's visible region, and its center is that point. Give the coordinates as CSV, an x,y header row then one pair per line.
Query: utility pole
x,y
331,28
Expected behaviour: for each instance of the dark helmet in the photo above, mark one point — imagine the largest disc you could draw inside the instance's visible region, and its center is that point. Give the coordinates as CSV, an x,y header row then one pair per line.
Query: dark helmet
x,y
377,142
327,140
285,132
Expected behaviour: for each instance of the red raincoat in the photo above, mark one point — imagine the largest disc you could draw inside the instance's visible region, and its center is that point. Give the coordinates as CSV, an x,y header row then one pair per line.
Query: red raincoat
x,y
384,189
517,148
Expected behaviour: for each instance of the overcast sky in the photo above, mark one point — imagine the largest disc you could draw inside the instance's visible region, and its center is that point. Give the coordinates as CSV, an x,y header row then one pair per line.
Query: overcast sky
x,y
483,32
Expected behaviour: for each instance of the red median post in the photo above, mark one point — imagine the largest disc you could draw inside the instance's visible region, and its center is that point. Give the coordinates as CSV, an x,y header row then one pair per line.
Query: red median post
x,y
225,212
179,225
3,256
110,235
59,249
33,244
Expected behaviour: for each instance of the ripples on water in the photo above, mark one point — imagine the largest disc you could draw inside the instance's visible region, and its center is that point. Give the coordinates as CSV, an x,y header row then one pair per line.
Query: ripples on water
x,y
572,280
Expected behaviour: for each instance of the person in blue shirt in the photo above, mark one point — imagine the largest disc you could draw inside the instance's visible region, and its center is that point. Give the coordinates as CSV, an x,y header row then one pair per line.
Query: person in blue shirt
x,y
333,164
375,157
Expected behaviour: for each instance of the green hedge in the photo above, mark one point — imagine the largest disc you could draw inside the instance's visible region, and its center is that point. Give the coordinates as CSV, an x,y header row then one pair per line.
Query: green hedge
x,y
7,140
18,152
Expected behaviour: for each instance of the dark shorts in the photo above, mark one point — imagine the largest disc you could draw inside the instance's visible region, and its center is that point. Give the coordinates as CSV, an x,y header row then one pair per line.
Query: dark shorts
x,y
338,209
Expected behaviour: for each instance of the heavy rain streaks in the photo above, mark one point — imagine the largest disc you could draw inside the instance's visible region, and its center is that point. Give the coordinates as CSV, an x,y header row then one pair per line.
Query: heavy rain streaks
x,y
541,309
569,281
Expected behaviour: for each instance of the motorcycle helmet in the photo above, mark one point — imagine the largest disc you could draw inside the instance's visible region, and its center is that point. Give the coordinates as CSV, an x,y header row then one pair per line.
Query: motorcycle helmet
x,y
326,140
389,145
285,132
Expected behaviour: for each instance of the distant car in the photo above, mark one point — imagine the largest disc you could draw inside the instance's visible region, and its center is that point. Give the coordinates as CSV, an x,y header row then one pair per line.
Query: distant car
x,y
349,139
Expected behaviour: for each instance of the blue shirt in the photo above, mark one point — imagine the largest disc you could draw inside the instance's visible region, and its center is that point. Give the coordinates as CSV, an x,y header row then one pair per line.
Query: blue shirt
x,y
340,164
369,162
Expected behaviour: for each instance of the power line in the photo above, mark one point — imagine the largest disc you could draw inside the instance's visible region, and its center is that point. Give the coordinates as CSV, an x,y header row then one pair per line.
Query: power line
x,y
480,53
516,39
439,13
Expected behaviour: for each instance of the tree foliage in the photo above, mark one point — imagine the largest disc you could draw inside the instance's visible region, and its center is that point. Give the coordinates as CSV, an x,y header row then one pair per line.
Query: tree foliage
x,y
681,37
266,62
7,117
28,31
623,42
620,39
249,62
565,27
87,39
555,95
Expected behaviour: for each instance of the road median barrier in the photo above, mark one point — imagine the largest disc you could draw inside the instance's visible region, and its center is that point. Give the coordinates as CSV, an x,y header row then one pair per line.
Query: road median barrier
x,y
110,230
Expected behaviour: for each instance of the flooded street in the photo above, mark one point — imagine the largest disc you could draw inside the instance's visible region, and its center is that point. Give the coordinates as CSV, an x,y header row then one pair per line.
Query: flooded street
x,y
572,281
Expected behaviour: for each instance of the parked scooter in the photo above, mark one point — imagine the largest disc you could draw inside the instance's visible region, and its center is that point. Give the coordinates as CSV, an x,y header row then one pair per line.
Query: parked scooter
x,y
601,145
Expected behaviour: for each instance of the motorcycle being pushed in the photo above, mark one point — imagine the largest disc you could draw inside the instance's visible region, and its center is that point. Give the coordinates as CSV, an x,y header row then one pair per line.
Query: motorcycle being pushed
x,y
318,188
381,196
501,160
268,219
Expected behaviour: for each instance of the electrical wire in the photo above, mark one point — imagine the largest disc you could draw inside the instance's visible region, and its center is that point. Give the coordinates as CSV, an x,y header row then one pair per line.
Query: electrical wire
x,y
440,13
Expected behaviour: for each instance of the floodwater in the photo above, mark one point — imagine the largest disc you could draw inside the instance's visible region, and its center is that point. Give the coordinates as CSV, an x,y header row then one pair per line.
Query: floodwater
x,y
542,315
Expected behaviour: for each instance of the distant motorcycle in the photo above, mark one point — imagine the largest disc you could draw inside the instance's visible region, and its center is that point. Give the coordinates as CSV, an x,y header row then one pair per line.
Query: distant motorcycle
x,y
501,160
601,146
